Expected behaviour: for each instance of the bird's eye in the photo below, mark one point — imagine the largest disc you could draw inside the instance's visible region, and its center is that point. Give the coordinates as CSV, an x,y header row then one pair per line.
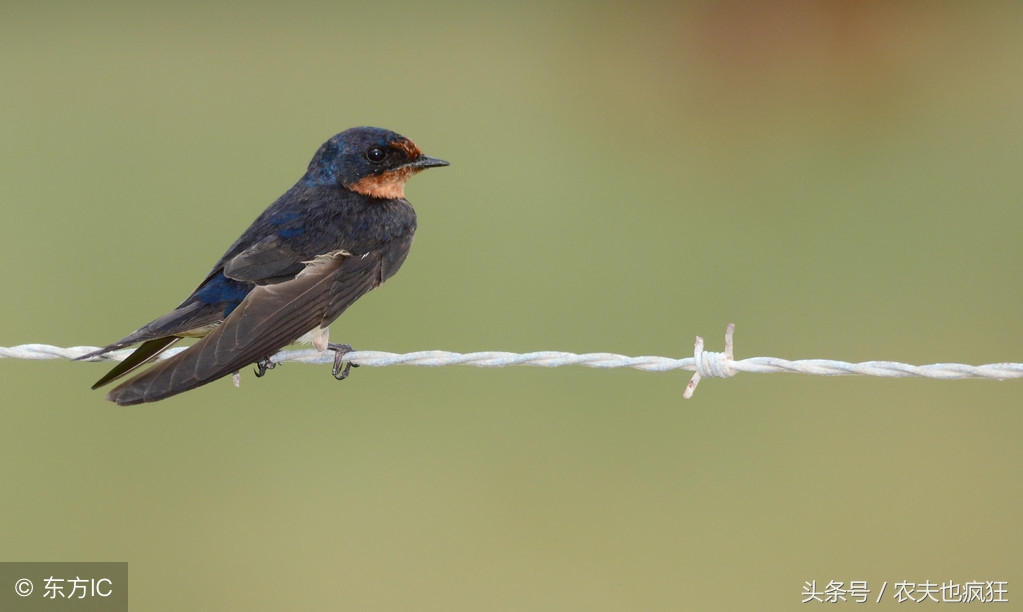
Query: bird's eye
x,y
376,155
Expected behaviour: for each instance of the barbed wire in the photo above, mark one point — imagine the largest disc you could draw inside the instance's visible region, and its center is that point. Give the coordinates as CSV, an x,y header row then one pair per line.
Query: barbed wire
x,y
702,363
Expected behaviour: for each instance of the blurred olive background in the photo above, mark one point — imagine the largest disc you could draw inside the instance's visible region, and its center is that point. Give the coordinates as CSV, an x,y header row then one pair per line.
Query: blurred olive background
x,y
841,179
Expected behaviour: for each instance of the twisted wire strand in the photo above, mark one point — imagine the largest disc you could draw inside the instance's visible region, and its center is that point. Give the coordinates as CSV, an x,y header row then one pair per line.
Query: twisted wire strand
x,y
702,363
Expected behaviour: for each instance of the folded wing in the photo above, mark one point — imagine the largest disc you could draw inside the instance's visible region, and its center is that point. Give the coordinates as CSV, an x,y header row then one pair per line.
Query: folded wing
x,y
269,318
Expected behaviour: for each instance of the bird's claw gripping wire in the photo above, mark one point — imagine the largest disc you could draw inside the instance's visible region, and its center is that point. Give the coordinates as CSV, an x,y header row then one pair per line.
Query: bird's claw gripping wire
x,y
341,367
263,365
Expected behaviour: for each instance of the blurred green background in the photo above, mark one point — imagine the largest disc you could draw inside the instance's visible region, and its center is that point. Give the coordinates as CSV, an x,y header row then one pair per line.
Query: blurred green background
x,y
841,179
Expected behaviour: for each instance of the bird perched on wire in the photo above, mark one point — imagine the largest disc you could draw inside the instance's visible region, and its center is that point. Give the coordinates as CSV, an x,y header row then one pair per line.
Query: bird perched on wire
x,y
343,229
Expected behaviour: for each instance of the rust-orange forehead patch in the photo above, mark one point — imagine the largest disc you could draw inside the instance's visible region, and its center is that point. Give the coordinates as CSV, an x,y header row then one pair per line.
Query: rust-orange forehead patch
x,y
408,147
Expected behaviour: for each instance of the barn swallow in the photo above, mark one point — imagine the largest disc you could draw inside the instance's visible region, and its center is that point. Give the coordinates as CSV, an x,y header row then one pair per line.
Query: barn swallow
x,y
343,229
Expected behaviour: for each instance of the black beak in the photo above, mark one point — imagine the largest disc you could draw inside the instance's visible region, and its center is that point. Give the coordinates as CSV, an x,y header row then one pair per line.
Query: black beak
x,y
425,161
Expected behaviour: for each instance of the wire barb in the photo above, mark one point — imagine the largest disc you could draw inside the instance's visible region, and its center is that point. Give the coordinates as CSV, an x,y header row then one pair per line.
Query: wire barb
x,y
711,364
702,363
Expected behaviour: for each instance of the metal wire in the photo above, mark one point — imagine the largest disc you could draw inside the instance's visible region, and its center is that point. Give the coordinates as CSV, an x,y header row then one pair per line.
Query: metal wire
x,y
703,363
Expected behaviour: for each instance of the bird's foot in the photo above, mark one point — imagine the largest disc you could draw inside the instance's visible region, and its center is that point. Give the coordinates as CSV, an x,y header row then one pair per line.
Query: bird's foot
x,y
341,367
263,365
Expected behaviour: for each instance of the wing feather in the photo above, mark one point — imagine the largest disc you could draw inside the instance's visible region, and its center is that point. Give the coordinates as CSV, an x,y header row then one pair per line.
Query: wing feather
x,y
268,319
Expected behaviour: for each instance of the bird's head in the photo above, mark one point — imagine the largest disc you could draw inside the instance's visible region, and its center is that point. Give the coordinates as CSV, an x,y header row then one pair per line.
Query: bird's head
x,y
371,161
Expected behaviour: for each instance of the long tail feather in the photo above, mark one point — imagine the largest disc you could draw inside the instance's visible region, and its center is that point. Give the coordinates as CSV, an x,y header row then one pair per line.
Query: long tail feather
x,y
142,355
